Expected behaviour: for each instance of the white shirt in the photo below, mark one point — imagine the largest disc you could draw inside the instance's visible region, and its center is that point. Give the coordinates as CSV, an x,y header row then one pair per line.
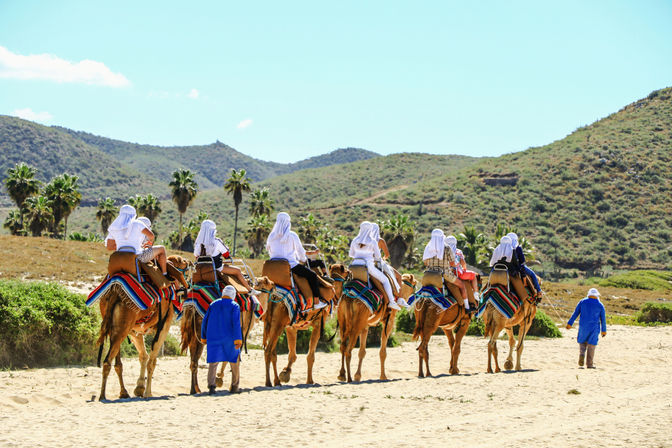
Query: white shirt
x,y
368,252
216,248
291,250
135,239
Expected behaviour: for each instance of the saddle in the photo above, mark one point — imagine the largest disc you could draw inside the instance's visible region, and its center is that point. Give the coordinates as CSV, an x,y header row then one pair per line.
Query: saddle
x,y
434,277
279,272
127,262
205,272
359,272
500,276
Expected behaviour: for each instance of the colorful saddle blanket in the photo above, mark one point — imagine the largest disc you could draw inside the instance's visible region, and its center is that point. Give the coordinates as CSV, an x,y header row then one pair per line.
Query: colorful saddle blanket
x,y
437,297
357,289
294,301
141,295
504,301
201,295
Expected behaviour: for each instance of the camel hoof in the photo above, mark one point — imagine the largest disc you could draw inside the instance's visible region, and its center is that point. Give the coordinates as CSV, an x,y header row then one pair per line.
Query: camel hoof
x,y
139,391
219,382
124,394
384,377
497,370
508,365
454,371
277,383
341,377
518,368
268,383
285,375
421,375
102,398
358,377
489,370
310,382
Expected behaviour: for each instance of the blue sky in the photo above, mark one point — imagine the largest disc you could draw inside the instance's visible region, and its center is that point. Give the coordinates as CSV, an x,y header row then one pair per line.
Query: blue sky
x,y
288,80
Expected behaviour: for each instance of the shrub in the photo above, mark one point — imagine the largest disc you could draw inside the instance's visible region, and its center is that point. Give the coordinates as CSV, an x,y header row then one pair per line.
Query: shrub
x,y
44,324
476,328
406,321
303,340
651,280
542,325
655,312
171,347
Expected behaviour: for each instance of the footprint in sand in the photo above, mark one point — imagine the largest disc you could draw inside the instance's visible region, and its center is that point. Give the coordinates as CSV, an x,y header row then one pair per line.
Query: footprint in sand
x,y
18,400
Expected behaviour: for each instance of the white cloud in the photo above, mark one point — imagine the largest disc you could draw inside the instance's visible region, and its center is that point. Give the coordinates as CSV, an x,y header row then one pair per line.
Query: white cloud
x,y
193,94
245,123
52,68
29,114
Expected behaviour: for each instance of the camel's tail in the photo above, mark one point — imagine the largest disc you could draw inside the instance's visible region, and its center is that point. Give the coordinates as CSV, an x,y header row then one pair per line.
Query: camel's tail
x,y
188,328
347,307
268,317
420,315
106,325
488,321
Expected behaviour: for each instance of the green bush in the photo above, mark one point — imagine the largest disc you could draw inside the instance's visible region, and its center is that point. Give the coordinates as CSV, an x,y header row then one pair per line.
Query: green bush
x,y
44,324
171,347
542,325
303,340
406,320
476,327
651,280
655,312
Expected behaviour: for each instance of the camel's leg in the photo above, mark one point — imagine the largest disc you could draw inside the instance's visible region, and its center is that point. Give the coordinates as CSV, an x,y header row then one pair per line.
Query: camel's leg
x,y
151,363
138,341
219,381
421,355
492,346
385,335
286,373
362,352
522,331
116,339
508,364
341,373
195,350
270,354
456,346
119,368
310,358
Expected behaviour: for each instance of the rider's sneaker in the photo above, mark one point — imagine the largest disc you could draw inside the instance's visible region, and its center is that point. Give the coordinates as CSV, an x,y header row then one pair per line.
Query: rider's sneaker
x,y
394,306
402,302
254,292
320,305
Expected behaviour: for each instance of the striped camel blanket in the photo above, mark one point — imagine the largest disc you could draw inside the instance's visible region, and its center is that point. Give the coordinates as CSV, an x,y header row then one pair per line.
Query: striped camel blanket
x,y
443,300
294,301
504,301
141,295
202,294
356,289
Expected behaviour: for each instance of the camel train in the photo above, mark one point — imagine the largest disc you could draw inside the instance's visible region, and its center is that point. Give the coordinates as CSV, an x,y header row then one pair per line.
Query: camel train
x,y
137,299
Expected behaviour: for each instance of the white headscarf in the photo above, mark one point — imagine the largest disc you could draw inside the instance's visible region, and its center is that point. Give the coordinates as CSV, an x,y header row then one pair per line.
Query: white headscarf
x,y
229,292
503,250
451,242
124,222
375,231
146,222
281,229
206,237
593,292
514,239
435,246
364,237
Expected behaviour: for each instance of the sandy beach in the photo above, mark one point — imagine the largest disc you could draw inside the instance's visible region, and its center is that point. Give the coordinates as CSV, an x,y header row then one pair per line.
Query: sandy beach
x,y
627,401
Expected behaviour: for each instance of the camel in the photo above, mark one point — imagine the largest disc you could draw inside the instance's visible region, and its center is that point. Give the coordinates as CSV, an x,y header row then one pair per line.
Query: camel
x,y
454,322
495,322
277,320
190,328
354,320
121,320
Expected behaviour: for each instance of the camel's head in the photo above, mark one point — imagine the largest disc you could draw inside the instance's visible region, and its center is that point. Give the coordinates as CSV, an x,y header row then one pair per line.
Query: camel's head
x,y
265,285
179,262
408,282
339,272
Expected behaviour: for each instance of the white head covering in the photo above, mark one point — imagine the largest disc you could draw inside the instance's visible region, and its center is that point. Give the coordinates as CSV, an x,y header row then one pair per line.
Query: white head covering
x,y
375,231
435,246
123,222
364,237
451,241
514,239
593,292
229,291
503,250
146,222
206,237
281,229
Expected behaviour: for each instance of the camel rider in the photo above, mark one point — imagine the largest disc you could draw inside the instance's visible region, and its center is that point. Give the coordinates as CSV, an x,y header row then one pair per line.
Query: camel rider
x,y
461,269
384,265
364,250
504,254
128,234
436,257
283,243
518,250
207,244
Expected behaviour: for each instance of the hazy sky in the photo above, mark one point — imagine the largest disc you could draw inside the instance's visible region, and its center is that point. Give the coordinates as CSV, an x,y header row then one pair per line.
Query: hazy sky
x,y
287,80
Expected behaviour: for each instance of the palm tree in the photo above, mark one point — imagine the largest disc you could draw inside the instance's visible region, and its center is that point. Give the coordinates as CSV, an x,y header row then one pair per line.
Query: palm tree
x,y
63,193
135,201
184,190
13,223
399,233
309,228
261,203
106,213
258,228
149,206
473,245
21,184
39,214
236,184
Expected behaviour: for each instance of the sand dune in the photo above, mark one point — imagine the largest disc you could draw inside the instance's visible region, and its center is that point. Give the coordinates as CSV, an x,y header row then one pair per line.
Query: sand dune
x,y
627,401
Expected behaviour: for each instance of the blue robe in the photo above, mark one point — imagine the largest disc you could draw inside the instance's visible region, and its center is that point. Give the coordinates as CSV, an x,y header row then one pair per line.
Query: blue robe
x,y
593,320
221,327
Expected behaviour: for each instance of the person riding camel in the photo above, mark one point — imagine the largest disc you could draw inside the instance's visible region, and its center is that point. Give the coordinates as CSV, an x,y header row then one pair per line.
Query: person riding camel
x,y
461,268
207,244
364,250
128,234
436,257
384,265
518,250
504,254
283,243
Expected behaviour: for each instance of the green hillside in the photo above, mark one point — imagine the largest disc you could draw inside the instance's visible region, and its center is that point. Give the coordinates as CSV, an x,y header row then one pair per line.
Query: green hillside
x,y
54,152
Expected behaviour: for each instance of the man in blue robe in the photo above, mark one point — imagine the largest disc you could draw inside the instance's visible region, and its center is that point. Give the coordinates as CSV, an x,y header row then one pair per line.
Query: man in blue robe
x,y
224,337
593,321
